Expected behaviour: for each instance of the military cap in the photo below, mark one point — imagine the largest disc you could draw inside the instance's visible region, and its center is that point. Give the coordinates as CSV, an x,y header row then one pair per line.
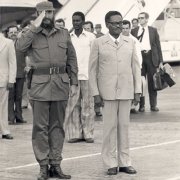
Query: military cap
x,y
98,26
45,5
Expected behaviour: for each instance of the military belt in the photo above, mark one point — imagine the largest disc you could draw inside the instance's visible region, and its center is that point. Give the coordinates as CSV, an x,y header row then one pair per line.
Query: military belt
x,y
49,70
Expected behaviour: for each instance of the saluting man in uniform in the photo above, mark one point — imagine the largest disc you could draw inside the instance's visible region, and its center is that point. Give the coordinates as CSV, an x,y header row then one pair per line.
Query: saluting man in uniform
x,y
52,52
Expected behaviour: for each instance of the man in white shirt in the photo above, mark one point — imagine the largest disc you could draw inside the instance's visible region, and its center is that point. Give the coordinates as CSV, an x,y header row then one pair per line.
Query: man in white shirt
x,y
152,57
80,110
126,31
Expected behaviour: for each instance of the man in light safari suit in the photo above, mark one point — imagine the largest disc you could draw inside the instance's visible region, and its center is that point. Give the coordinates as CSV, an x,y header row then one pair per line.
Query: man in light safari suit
x,y
115,80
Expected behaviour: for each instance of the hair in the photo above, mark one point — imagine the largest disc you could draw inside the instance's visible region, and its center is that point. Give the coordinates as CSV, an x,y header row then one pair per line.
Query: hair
x,y
146,14
134,19
12,26
126,22
78,13
111,13
89,22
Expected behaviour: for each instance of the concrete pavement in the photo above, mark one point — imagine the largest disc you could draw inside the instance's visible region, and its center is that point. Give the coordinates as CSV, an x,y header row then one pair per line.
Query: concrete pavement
x,y
154,142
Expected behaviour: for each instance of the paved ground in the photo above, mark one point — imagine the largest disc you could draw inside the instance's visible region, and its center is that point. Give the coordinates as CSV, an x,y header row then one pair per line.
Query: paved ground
x,y
154,142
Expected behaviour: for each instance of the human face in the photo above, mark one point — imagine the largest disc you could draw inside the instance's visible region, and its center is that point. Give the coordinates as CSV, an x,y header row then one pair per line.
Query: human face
x,y
125,29
48,19
134,24
77,22
142,19
87,27
12,33
114,25
98,30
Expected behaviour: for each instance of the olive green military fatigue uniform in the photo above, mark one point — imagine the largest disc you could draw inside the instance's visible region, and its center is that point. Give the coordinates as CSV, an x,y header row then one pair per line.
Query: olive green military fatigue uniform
x,y
52,54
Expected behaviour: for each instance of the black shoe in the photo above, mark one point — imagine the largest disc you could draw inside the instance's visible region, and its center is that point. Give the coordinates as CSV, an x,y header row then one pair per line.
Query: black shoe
x,y
141,109
112,171
89,140
74,140
43,175
128,170
7,136
56,172
24,107
98,114
133,111
11,122
20,121
155,109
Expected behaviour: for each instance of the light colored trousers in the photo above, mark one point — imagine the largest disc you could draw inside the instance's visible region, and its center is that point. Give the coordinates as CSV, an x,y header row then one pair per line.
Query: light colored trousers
x,y
4,111
79,118
115,133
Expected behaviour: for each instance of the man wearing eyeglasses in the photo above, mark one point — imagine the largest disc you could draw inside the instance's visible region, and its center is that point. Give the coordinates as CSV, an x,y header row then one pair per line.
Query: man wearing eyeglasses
x,y
152,57
115,80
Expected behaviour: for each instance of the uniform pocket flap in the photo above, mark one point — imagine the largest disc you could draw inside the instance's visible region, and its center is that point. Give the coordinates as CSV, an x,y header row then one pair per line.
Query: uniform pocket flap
x,y
62,44
39,46
65,78
40,79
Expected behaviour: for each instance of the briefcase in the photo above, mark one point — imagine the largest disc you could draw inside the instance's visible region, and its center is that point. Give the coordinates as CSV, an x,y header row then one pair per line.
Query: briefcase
x,y
158,81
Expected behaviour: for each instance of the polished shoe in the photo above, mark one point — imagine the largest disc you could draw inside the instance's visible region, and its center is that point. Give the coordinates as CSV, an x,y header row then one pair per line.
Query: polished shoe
x,y
128,170
56,172
141,109
74,140
24,107
11,122
155,109
7,136
43,175
112,171
98,114
133,111
89,140
20,121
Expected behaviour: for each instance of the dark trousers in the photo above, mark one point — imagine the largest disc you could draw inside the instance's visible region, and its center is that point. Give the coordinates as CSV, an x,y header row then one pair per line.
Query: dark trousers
x,y
48,133
15,101
148,69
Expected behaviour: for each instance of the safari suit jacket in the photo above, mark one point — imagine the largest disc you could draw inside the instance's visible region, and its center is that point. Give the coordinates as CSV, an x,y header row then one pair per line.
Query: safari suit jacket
x,y
114,71
47,50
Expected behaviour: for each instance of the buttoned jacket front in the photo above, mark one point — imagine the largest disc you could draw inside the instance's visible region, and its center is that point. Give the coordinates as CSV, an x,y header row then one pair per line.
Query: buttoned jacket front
x,y
49,49
8,66
114,70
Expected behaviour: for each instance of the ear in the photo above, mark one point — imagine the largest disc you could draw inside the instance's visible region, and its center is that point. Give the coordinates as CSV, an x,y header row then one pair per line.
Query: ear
x,y
107,25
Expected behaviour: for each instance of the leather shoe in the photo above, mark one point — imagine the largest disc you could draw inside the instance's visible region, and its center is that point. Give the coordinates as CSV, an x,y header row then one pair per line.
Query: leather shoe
x,y
133,111
141,109
98,114
7,136
20,121
89,140
112,171
128,170
155,109
74,140
56,172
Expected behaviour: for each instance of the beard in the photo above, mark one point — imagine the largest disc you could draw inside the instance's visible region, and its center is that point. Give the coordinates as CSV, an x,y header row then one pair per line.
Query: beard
x,y
47,23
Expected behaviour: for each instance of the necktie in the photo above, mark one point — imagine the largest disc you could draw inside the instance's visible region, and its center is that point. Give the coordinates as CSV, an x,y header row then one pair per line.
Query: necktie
x,y
116,42
140,37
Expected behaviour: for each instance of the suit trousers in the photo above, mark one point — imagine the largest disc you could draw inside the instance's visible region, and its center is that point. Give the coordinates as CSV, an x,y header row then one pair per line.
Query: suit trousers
x,y
15,100
116,115
79,120
148,69
4,111
48,133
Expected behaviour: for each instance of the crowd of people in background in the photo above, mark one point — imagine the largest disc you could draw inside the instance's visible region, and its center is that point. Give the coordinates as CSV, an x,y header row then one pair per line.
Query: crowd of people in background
x,y
91,74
